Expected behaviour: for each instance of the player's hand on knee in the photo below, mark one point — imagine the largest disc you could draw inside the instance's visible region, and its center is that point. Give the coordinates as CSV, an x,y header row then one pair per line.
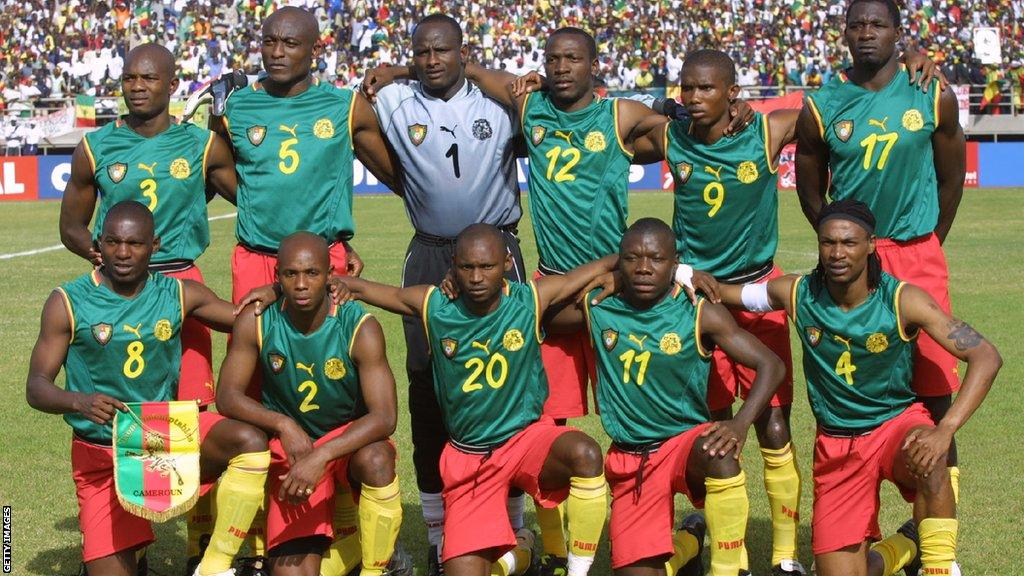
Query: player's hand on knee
x,y
722,438
302,478
926,448
339,291
610,283
448,286
741,115
261,297
295,441
529,82
97,407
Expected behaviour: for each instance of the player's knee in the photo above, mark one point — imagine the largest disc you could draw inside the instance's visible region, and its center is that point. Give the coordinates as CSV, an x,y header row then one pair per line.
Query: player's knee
x,y
722,467
374,464
772,429
249,438
585,457
936,483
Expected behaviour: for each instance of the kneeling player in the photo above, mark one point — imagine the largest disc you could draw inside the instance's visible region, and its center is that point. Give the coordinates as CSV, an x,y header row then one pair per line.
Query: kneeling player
x,y
491,387
857,327
654,351
117,332
329,399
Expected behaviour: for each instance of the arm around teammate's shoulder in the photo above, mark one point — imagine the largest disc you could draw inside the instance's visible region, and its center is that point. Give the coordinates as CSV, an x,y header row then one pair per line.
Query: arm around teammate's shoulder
x,y
77,206
949,150
496,84
221,178
407,301
641,131
776,294
204,305
811,165
555,289
370,145
781,130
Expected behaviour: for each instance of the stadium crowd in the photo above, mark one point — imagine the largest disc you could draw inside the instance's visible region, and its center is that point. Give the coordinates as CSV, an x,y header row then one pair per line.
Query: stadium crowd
x,y
56,49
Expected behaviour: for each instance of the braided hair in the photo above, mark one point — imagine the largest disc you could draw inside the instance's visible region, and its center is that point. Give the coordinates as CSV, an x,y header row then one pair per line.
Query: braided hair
x,y
857,212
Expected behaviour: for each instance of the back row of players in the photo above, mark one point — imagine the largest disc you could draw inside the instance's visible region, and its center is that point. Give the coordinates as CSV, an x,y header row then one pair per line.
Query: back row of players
x,y
448,146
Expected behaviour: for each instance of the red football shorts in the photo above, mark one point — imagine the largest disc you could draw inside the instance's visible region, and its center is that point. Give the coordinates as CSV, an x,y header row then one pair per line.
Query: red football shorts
x,y
476,489
107,528
729,378
847,475
569,365
196,382
641,523
922,263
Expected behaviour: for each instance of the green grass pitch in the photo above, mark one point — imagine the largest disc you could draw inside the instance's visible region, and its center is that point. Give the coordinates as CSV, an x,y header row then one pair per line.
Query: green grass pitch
x,y
987,291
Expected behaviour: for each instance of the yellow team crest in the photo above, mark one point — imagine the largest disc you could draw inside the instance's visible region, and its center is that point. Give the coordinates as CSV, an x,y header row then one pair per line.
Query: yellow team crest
x,y
876,343
102,332
256,134
813,335
609,338
746,172
595,141
844,129
912,120
512,340
180,168
448,347
116,171
323,128
417,132
163,331
277,362
683,171
670,343
334,369
537,134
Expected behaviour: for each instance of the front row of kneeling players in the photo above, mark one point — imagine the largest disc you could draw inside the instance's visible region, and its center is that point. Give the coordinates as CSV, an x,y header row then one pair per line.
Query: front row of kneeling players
x,y
329,403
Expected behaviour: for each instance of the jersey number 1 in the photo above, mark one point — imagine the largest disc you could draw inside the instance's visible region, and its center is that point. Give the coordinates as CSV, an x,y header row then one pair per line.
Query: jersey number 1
x,y
453,153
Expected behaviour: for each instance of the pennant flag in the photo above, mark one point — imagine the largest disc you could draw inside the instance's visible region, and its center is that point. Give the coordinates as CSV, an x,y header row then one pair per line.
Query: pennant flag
x,y
85,111
156,458
142,14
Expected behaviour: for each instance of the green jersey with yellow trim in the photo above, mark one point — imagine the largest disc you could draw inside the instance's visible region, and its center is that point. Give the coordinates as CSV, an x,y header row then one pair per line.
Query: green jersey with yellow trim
x,y
858,363
579,179
880,150
488,375
726,205
166,172
294,161
311,377
652,370
126,348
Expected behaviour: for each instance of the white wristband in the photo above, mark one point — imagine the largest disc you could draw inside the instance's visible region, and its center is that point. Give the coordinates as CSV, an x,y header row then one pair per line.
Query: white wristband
x,y
755,297
684,275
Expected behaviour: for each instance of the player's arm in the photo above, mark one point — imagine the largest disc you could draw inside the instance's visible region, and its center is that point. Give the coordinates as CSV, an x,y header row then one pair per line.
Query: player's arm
x,y
949,149
77,207
718,326
642,131
381,76
811,165
781,131
370,145
556,289
496,84
776,294
406,301
48,356
919,311
221,177
204,305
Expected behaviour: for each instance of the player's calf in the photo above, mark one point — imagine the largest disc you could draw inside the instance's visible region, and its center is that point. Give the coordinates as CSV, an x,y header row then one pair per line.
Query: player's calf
x,y
726,506
575,459
380,504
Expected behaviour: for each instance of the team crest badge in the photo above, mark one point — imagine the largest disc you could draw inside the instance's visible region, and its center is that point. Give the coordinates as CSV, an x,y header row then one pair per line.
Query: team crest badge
x,y
844,129
609,337
813,336
595,141
448,347
256,134
163,331
417,132
746,172
912,120
180,168
102,333
683,171
117,171
513,340
877,343
276,362
537,134
334,369
323,128
670,343
482,129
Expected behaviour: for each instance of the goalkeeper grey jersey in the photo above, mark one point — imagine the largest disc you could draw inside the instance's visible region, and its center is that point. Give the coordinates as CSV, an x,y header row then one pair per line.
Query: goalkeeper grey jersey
x,y
457,156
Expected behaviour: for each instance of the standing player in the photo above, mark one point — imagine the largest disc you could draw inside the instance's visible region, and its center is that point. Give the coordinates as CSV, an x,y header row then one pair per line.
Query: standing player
x,y
901,152
458,161
174,169
653,351
116,331
329,401
857,326
491,385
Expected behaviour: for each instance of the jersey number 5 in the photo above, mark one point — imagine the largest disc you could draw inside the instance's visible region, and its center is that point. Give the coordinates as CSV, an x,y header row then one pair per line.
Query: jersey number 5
x,y
289,158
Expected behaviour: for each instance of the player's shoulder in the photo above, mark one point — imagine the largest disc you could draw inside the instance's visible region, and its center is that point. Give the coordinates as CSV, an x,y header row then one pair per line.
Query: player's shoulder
x,y
196,133
79,283
328,90
828,91
350,312
166,284
98,136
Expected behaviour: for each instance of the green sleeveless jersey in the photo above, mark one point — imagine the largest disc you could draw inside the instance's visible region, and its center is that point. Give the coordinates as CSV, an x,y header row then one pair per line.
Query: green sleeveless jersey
x,y
652,371
880,150
294,162
579,179
726,205
127,348
310,377
858,363
488,375
166,172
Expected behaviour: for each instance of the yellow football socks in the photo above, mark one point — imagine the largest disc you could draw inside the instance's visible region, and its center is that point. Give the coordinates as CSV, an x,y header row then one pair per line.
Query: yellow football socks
x,y
200,521
239,496
782,482
552,535
726,510
896,551
684,548
345,553
938,545
517,560
954,480
380,518
586,508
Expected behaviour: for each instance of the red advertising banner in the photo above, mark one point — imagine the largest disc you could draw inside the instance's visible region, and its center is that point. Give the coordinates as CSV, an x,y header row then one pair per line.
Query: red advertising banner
x,y
972,176
19,178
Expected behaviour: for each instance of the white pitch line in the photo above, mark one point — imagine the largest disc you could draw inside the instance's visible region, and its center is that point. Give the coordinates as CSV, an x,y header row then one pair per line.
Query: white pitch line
x,y
59,246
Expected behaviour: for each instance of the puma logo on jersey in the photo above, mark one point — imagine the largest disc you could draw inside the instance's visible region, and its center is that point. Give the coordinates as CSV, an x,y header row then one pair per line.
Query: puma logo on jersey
x,y
485,346
450,130
567,136
149,168
134,330
879,123
717,172
638,341
308,369
845,341
289,130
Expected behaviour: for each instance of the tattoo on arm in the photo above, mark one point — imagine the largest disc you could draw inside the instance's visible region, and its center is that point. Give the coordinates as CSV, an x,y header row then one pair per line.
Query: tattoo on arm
x,y
963,335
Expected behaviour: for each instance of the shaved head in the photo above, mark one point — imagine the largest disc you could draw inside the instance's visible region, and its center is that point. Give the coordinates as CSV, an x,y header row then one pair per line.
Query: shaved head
x,y
161,57
443,21
650,227
129,211
299,242
296,20
474,233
